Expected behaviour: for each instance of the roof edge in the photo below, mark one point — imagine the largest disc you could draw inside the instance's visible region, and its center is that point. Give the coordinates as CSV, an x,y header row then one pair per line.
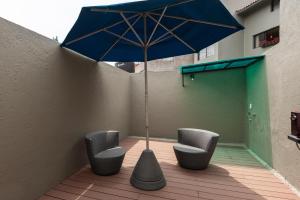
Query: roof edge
x,y
252,6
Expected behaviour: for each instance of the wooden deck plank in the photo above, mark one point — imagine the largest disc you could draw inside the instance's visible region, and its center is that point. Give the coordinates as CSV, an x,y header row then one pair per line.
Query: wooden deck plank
x,y
90,193
233,175
123,184
65,195
101,187
48,198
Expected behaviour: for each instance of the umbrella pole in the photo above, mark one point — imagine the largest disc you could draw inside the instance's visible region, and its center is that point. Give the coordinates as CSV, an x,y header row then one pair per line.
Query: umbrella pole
x,y
146,98
147,174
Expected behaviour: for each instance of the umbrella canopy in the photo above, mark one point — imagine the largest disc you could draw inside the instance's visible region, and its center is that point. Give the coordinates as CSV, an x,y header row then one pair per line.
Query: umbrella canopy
x,y
173,27
148,30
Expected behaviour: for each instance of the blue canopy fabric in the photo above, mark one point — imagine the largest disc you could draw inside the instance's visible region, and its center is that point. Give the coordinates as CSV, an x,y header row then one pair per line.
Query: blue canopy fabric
x,y
166,27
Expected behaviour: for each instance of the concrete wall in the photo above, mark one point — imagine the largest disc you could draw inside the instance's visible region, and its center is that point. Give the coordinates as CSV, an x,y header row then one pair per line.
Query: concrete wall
x,y
283,70
233,45
213,101
49,98
166,64
233,5
209,58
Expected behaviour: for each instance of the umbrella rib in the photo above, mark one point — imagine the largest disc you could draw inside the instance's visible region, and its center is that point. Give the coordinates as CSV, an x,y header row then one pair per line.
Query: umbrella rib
x,y
154,30
123,38
173,34
98,31
133,30
119,39
197,21
161,40
162,37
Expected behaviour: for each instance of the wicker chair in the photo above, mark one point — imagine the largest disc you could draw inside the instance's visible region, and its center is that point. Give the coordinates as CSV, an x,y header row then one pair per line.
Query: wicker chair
x,y
195,147
104,153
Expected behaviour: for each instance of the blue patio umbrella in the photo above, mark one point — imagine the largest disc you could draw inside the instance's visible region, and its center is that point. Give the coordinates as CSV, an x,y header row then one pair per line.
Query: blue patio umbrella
x,y
148,30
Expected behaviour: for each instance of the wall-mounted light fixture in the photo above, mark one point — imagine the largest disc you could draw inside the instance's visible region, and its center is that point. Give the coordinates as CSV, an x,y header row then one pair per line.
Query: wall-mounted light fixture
x,y
295,128
192,77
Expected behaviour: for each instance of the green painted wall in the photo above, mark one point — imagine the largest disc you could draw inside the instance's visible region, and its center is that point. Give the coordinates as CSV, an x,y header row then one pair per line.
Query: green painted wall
x,y
213,101
258,134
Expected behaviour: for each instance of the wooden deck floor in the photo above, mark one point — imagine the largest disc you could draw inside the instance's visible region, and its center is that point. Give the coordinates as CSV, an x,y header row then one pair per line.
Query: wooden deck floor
x,y
234,174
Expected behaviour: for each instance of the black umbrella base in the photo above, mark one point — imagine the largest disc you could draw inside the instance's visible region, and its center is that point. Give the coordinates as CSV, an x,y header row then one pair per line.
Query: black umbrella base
x,y
147,174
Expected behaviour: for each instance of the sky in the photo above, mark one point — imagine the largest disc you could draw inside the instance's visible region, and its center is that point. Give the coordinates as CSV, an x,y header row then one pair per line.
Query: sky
x,y
49,18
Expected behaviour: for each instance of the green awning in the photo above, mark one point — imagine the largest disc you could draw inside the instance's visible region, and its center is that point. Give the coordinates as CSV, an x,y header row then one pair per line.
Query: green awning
x,y
220,65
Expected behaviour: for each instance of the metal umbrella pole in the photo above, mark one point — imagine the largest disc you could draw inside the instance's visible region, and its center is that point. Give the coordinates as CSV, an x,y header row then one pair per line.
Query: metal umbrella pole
x,y
146,98
146,45
147,174
146,83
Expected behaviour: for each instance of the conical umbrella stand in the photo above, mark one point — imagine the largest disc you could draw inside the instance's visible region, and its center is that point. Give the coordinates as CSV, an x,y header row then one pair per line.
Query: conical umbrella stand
x,y
147,174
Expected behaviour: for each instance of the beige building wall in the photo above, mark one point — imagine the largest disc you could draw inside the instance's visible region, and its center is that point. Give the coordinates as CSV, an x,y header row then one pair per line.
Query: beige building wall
x,y
283,70
209,58
256,22
49,99
233,45
213,101
168,64
241,44
233,5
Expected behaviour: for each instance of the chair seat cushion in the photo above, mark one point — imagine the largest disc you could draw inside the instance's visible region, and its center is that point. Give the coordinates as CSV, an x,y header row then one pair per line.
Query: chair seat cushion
x,y
188,149
111,153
